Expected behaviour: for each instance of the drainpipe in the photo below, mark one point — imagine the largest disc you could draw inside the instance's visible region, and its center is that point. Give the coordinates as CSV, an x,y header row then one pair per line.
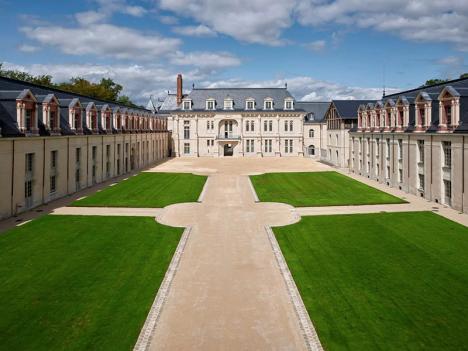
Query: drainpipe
x,y
463,174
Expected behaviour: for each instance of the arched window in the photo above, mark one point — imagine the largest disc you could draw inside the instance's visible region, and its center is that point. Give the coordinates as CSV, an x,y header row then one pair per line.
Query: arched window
x,y
311,133
311,150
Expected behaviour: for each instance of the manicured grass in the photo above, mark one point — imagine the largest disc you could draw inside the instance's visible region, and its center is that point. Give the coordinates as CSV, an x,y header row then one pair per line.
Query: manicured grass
x,y
148,190
318,189
390,281
79,282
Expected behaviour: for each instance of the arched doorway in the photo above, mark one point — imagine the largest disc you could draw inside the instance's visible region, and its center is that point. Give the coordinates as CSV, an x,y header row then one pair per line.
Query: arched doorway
x,y
311,150
228,149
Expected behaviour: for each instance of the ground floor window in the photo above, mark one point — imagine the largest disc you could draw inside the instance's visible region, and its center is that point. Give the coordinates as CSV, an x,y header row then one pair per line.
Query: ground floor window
x,y
186,148
268,145
387,175
250,145
448,191
421,181
311,150
400,176
53,184
288,146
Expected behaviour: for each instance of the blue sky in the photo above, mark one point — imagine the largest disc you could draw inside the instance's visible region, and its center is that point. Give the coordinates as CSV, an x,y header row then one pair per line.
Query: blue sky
x,y
322,49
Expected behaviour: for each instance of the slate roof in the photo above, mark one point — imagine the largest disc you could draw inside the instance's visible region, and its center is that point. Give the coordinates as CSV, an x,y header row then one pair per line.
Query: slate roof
x,y
11,89
315,110
238,95
347,109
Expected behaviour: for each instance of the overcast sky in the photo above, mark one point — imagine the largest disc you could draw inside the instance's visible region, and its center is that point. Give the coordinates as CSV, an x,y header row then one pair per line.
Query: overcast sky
x,y
340,49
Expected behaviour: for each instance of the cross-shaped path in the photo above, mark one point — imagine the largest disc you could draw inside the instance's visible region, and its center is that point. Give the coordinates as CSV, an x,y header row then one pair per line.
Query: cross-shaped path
x,y
228,293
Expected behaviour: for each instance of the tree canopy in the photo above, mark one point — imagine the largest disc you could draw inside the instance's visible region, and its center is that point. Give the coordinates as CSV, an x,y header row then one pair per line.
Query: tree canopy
x,y
435,81
105,89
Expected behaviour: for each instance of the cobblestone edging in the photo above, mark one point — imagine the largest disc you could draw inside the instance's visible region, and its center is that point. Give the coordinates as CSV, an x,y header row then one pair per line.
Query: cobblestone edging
x,y
144,339
253,190
202,194
307,328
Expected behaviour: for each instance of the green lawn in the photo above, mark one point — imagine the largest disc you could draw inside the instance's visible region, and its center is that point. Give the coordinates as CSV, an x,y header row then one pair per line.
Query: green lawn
x,y
318,189
148,190
389,281
80,282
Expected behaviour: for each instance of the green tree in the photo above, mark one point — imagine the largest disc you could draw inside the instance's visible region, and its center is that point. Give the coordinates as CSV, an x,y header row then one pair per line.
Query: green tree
x,y
464,75
106,89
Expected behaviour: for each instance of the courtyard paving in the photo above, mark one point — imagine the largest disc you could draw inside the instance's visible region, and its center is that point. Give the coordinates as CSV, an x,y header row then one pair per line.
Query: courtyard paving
x,y
231,289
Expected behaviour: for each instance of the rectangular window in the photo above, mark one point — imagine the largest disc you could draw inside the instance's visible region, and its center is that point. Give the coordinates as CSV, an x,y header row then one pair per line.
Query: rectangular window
x,y
208,125
268,105
28,122
29,163
210,105
252,126
388,149
247,126
94,153
268,145
270,126
265,126
421,182
53,159
387,174
187,105
377,147
186,148
286,125
291,125
28,190
421,151
447,147
448,191
78,155
400,175
448,115
53,184
288,105
208,143
250,105
186,132
400,149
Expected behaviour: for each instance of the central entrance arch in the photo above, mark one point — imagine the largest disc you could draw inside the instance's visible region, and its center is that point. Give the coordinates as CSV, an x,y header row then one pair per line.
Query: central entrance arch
x,y
228,149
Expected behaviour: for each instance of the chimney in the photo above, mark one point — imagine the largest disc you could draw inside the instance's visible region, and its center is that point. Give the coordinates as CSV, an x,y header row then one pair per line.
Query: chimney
x,y
179,89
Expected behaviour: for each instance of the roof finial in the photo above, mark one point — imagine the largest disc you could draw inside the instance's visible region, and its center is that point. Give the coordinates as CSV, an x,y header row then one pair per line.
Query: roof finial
x,y
286,85
193,85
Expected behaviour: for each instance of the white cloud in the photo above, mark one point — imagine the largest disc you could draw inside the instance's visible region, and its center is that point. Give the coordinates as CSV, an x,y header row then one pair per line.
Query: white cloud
x,y
90,17
318,45
252,21
28,48
195,31
205,60
306,88
263,21
142,81
104,40
136,11
170,20
418,20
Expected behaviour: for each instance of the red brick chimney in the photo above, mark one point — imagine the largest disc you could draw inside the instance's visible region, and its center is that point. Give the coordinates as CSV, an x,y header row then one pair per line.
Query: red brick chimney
x,y
179,89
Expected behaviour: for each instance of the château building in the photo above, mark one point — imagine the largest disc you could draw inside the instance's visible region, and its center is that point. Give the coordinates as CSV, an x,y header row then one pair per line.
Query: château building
x,y
54,143
417,141
255,122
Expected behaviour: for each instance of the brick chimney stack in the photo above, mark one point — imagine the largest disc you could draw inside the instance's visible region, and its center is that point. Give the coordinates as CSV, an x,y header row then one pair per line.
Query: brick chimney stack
x,y
179,89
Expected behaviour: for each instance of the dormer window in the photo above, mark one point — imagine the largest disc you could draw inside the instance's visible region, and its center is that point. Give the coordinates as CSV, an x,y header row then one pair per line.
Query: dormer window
x,y
288,104
210,104
268,104
27,112
187,104
250,104
228,104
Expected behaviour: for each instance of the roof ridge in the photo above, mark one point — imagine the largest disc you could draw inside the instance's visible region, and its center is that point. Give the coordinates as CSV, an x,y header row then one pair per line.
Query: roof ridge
x,y
428,86
68,92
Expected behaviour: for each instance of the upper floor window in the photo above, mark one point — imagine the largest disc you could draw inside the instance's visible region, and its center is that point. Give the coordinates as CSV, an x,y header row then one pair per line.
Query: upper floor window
x,y
250,104
447,148
187,105
268,104
228,104
311,133
288,104
210,104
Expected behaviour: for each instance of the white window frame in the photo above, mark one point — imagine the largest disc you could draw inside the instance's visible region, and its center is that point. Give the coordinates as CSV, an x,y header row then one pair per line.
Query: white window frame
x,y
288,101
211,101
268,101
247,104
184,104
228,104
